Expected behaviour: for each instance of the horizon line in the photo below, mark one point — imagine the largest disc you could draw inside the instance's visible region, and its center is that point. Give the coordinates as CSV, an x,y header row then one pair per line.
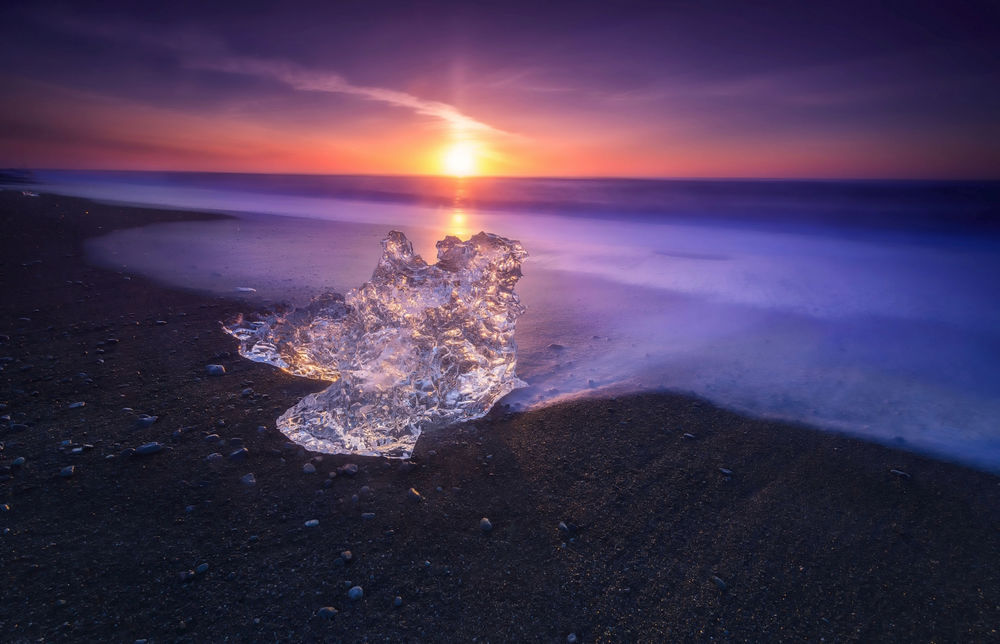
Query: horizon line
x,y
430,175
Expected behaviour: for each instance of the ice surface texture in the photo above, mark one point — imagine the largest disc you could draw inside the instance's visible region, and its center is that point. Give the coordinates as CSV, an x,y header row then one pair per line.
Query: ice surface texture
x,y
416,347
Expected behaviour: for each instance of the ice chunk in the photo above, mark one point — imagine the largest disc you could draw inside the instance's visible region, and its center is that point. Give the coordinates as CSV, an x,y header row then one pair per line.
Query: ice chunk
x,y
416,347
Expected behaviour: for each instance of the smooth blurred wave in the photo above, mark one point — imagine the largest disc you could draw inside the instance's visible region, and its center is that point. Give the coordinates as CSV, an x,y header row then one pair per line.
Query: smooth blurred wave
x,y
865,307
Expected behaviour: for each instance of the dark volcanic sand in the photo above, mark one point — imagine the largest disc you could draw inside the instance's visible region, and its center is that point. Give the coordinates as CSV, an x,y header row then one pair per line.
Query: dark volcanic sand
x,y
812,535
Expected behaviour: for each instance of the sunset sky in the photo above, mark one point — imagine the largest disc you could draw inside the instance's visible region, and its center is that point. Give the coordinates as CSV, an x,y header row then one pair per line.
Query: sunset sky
x,y
658,89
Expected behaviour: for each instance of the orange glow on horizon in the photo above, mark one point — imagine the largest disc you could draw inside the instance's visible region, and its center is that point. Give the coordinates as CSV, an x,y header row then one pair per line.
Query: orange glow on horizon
x,y
460,159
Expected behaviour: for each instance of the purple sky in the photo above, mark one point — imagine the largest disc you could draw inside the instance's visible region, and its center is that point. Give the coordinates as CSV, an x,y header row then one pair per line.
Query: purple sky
x,y
692,89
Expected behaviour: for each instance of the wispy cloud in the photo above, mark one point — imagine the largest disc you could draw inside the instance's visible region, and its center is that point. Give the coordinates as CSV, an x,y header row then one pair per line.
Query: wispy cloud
x,y
199,50
304,79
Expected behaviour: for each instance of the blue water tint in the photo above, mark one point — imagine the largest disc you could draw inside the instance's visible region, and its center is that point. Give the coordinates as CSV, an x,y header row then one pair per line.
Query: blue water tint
x,y
866,307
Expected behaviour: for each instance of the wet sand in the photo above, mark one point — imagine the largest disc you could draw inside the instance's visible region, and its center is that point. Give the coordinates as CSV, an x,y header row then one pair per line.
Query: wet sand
x,y
607,522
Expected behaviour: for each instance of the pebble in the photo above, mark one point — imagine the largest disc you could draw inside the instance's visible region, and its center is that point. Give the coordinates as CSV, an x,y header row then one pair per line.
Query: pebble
x,y
212,438
67,471
689,436
248,479
246,393
355,593
77,405
718,582
327,612
413,494
215,370
725,472
368,515
398,601
213,457
901,474
239,455
347,556
18,462
485,525
308,468
149,448
312,523
350,469
201,569
145,421
572,638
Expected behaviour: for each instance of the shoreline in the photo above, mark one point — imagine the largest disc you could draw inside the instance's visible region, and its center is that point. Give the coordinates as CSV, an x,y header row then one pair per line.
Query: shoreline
x,y
810,534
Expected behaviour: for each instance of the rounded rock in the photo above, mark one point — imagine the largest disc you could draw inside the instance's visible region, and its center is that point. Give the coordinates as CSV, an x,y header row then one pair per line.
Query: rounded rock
x,y
485,525
327,612
413,495
248,479
355,593
308,468
215,370
312,523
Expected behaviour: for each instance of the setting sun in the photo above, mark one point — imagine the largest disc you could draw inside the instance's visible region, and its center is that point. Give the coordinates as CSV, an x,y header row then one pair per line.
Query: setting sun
x,y
460,160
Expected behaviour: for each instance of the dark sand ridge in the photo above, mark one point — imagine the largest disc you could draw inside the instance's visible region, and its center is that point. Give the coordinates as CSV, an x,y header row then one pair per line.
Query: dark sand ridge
x,y
812,535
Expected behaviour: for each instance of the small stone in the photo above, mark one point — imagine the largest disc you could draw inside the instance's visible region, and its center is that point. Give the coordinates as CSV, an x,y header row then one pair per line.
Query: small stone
x,y
67,471
398,601
485,525
248,479
327,612
201,569
214,457
355,593
148,448
77,405
18,462
246,393
308,468
145,421
368,516
215,370
212,438
572,638
689,436
725,472
350,469
413,494
347,556
901,474
239,455
312,523
718,582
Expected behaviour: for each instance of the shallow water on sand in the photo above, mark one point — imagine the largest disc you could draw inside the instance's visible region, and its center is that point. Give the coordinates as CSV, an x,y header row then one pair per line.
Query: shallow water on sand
x,y
892,335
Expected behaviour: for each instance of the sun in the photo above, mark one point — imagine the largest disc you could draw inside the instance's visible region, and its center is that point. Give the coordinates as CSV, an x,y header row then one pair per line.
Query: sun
x,y
460,159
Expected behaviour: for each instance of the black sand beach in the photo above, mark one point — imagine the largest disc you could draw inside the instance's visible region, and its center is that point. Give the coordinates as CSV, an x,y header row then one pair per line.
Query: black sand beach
x,y
608,523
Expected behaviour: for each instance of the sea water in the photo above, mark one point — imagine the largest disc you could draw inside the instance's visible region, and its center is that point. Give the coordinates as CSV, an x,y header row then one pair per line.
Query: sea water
x,y
866,307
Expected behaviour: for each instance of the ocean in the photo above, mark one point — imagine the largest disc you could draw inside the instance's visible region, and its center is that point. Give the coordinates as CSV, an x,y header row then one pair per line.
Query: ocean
x,y
871,308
